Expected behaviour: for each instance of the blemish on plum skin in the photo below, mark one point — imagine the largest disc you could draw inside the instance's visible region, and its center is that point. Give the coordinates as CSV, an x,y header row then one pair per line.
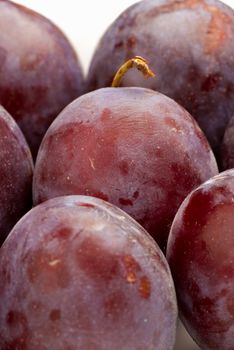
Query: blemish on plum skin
x,y
86,205
124,167
55,315
47,271
135,194
105,115
19,321
132,268
119,44
211,82
14,317
145,287
31,62
131,42
131,277
125,201
172,123
216,34
97,262
63,233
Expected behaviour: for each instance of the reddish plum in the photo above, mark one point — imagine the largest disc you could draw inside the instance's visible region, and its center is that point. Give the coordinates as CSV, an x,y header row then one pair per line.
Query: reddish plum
x,y
40,73
78,273
189,45
16,170
200,253
132,147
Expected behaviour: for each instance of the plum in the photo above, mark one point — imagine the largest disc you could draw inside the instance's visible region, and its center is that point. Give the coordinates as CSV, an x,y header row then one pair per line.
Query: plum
x,y
189,45
227,149
133,147
78,273
200,254
39,70
16,169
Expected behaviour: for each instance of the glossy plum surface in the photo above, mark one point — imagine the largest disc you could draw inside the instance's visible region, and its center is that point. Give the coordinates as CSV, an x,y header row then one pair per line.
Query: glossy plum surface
x,y
227,150
189,44
39,70
132,147
78,273
200,254
16,171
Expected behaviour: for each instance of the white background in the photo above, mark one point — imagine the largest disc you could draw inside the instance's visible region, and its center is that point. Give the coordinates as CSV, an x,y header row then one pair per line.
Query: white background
x,y
83,21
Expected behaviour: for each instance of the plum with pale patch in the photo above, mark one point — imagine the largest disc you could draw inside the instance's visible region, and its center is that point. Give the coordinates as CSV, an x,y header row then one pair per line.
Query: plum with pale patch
x,y
78,273
133,147
189,44
200,254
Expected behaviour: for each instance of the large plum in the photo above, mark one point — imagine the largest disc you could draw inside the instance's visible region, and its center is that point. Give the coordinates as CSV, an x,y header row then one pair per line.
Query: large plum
x,y
78,273
133,147
39,71
189,45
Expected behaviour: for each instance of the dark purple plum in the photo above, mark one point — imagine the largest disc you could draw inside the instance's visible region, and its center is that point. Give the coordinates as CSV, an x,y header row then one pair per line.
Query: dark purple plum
x,y
133,147
39,70
189,44
200,254
78,273
227,150
16,171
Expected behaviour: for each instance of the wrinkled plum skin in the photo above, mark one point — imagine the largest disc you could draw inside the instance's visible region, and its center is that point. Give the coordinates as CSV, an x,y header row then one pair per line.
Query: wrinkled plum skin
x,y
16,171
189,45
227,150
200,254
40,73
78,273
132,147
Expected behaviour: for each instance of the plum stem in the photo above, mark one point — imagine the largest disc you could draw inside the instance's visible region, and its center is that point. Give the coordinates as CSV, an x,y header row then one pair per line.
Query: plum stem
x,y
137,62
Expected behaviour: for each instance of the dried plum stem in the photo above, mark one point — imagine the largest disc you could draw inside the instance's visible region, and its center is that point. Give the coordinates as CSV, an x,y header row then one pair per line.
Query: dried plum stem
x,y
136,62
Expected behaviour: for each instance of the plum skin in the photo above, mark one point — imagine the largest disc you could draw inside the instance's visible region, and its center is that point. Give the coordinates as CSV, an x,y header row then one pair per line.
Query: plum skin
x,y
201,257
132,147
40,72
16,172
227,148
188,44
78,273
